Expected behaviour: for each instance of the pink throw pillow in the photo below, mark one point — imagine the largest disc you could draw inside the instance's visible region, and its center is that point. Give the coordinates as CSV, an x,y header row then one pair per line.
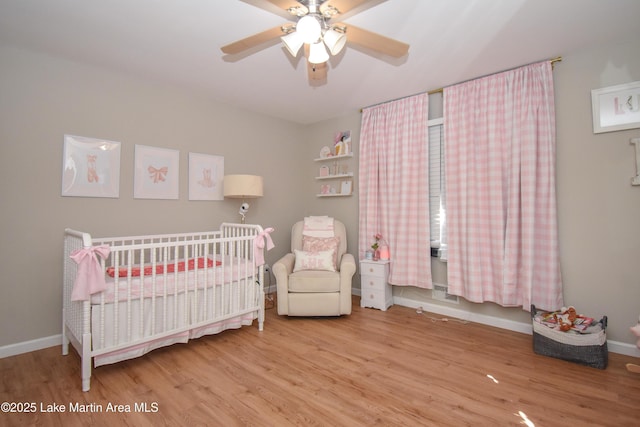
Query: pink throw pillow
x,y
315,244
320,260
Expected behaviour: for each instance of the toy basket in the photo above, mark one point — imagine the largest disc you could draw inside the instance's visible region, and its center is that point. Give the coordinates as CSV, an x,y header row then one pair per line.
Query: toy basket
x,y
585,349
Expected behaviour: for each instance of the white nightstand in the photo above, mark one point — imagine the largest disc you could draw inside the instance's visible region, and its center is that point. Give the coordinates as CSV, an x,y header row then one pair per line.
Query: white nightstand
x,y
376,292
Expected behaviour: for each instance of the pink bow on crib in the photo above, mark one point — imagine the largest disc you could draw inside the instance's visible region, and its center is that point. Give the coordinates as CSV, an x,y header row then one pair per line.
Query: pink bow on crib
x,y
90,277
258,245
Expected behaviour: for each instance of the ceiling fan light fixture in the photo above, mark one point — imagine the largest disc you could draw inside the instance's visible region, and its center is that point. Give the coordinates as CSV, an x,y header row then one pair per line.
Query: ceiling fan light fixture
x,y
335,41
309,29
318,53
292,42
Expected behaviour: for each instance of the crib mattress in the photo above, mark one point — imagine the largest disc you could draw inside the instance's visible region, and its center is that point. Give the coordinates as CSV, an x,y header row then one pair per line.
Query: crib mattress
x,y
174,283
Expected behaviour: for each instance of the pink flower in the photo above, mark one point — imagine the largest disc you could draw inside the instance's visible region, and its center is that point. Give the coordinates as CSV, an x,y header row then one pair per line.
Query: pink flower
x,y
378,237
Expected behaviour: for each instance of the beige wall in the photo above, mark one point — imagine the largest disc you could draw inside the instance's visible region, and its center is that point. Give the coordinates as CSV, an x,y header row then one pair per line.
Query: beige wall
x,y
599,211
44,98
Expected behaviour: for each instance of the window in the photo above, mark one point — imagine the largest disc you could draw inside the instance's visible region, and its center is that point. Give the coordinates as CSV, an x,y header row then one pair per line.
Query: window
x,y
437,200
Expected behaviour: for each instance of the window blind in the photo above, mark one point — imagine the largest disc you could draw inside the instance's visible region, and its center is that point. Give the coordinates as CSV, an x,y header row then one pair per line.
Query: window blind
x,y
437,205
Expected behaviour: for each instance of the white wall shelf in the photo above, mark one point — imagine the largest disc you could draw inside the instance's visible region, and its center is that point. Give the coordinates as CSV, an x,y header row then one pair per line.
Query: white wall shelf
x,y
326,159
341,175
333,195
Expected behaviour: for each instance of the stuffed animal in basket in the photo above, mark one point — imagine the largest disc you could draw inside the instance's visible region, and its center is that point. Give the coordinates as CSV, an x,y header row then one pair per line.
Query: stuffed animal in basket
x,y
566,318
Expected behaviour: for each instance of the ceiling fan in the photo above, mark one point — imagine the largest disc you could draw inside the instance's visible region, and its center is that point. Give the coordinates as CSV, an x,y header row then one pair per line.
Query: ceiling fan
x,y
314,28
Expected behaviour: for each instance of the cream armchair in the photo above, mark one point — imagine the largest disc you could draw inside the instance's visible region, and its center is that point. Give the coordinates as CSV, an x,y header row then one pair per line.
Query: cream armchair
x,y
314,292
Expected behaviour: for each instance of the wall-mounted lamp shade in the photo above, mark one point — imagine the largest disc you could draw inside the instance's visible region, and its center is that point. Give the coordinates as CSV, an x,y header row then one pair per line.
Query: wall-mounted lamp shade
x,y
334,40
318,53
309,29
242,186
293,42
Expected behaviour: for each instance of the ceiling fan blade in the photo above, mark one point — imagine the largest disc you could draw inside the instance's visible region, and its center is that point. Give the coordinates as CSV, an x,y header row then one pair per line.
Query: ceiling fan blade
x,y
284,4
277,7
374,41
344,6
252,41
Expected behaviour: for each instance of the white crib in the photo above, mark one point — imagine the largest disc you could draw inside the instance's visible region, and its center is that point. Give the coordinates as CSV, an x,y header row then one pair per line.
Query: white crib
x,y
160,290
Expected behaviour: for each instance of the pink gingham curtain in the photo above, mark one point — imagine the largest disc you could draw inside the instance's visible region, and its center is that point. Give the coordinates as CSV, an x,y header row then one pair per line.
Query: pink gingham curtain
x,y
394,186
501,200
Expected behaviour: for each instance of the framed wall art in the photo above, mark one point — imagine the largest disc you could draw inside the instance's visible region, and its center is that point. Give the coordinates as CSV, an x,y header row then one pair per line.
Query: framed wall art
x,y
205,177
156,173
616,107
90,167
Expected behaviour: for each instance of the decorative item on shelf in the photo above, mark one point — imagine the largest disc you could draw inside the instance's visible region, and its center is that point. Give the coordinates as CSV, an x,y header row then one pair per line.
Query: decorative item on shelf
x,y
325,152
346,139
342,143
324,171
368,255
345,187
243,187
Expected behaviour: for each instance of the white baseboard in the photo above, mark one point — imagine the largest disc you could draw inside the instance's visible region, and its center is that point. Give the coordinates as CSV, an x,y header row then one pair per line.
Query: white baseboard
x,y
28,346
483,319
525,328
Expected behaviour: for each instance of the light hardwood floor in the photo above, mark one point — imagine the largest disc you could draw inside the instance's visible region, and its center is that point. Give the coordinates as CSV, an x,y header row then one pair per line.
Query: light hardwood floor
x,y
370,368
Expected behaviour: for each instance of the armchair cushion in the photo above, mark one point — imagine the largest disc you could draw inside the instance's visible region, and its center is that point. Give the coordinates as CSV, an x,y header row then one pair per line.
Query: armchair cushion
x,y
318,260
314,281
312,244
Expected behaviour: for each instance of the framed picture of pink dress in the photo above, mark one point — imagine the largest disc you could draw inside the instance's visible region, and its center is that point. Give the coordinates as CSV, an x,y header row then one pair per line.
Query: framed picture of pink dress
x,y
205,177
156,173
90,167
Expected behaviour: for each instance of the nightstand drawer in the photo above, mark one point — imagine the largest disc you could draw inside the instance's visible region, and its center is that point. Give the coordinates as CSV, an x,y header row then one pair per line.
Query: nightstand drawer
x,y
373,299
373,283
373,269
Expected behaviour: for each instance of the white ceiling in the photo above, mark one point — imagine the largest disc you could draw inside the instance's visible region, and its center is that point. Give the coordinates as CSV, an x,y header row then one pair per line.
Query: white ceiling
x,y
178,42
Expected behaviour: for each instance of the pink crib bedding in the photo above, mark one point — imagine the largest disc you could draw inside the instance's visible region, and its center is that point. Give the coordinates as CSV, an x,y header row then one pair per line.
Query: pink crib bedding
x,y
172,267
121,287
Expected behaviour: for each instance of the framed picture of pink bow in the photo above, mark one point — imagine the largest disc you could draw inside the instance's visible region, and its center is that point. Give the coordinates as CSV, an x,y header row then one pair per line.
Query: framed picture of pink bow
x,y
156,174
205,177
90,167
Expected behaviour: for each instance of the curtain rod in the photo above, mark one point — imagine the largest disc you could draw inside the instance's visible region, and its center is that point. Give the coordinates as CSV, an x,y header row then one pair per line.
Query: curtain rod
x,y
440,90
